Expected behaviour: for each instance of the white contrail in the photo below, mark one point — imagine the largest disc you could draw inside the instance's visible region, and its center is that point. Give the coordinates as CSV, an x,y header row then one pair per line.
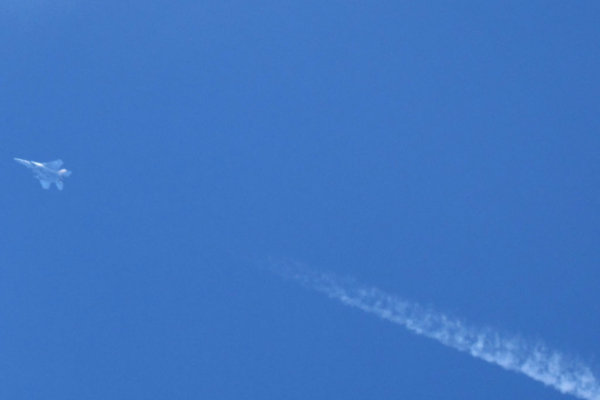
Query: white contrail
x,y
534,360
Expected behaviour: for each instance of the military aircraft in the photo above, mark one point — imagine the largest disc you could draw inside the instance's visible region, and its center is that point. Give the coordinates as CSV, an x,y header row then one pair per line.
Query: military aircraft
x,y
47,172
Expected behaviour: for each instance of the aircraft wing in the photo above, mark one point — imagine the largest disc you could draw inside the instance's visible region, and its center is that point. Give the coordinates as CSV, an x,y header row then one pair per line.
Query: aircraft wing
x,y
55,165
45,184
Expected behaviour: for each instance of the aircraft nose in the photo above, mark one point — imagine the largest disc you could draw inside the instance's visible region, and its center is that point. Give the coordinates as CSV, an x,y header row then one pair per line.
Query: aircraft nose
x,y
24,162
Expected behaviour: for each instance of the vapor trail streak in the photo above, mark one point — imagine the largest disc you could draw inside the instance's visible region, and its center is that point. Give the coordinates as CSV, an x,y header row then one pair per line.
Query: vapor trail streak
x,y
534,360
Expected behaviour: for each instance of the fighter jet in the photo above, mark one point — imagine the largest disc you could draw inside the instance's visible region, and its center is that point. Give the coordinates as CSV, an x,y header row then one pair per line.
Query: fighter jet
x,y
47,172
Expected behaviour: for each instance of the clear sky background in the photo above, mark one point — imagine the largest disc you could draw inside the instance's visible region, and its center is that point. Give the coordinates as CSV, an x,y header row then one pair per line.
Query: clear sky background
x,y
446,152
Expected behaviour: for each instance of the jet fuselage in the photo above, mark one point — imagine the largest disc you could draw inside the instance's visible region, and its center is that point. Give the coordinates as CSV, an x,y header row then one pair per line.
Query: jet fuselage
x,y
47,173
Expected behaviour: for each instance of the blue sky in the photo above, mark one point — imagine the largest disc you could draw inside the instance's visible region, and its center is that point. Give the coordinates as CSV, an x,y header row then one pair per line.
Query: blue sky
x,y
443,152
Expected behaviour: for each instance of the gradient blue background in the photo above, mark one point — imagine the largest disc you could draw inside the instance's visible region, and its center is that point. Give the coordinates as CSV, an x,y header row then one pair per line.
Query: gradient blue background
x,y
446,152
